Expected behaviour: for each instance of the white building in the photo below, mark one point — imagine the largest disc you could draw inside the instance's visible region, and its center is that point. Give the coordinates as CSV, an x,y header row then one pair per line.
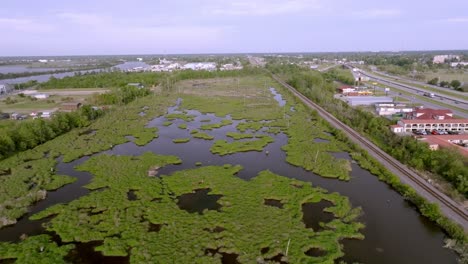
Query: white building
x,y
230,67
461,63
385,109
40,96
197,66
4,88
438,59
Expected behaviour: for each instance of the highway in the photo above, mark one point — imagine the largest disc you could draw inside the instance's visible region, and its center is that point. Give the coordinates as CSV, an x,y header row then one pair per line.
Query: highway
x,y
420,83
450,208
451,102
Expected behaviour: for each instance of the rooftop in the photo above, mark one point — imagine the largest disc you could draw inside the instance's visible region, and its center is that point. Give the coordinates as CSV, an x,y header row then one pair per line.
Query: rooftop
x,y
434,121
446,141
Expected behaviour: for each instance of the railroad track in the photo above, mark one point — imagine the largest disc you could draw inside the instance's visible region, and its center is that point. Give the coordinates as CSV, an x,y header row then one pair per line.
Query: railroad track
x,y
442,198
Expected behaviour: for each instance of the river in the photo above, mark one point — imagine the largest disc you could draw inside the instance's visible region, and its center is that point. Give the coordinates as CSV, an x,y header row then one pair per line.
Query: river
x,y
45,77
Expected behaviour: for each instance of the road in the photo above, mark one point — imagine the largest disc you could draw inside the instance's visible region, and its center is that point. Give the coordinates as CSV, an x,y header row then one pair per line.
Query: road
x,y
449,208
420,83
450,102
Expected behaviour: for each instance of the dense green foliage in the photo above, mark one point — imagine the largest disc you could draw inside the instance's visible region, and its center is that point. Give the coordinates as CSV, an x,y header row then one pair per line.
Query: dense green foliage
x,y
122,95
37,249
102,80
444,162
29,174
244,224
181,140
341,75
224,122
222,147
201,135
28,134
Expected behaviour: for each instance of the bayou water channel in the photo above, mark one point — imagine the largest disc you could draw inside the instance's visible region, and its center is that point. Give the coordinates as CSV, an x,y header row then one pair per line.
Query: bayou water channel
x,y
395,232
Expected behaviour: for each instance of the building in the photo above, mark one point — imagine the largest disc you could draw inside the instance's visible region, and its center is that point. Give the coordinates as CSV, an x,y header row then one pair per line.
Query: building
x,y
346,89
197,66
40,96
367,100
438,59
4,88
138,85
460,142
413,125
387,109
72,106
461,63
429,113
396,129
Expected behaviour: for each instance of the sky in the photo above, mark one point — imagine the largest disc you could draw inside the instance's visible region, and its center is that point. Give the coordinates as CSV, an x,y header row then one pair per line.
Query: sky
x,y
106,27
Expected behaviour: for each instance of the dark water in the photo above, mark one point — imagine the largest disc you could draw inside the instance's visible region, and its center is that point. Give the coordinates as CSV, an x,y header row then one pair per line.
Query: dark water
x,y
226,258
274,203
198,201
394,233
45,77
65,194
23,68
84,253
278,97
313,214
321,140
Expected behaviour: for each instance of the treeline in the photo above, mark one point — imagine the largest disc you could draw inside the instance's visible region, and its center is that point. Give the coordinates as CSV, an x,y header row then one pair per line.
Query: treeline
x,y
446,163
116,79
120,96
28,134
102,80
341,75
168,82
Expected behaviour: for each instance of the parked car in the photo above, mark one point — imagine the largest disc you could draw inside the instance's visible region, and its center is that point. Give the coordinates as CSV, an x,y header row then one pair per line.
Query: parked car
x,y
435,132
4,116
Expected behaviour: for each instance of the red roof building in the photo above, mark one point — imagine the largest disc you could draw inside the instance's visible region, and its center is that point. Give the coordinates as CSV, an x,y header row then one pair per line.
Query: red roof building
x,y
434,124
448,141
428,113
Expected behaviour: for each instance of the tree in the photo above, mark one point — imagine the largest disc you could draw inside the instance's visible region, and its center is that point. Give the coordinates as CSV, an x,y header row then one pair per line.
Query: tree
x,y
433,81
455,84
444,84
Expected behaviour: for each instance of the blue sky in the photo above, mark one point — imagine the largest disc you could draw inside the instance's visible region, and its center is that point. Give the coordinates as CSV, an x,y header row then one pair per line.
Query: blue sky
x,y
59,27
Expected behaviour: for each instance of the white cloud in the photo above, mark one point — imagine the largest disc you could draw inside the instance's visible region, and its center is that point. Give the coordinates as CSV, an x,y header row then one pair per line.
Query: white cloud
x,y
378,13
456,20
84,18
262,7
25,25
110,30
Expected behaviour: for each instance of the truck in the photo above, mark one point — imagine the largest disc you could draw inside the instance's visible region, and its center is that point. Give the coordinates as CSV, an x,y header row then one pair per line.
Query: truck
x,y
431,95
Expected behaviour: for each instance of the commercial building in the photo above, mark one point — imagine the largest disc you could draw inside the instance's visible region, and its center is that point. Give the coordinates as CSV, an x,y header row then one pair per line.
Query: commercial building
x,y
70,106
429,113
387,109
460,142
346,89
208,66
4,88
438,59
367,100
40,96
413,125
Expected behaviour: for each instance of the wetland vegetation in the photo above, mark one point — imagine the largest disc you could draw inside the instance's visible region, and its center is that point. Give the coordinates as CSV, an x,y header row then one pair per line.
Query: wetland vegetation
x,y
135,212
